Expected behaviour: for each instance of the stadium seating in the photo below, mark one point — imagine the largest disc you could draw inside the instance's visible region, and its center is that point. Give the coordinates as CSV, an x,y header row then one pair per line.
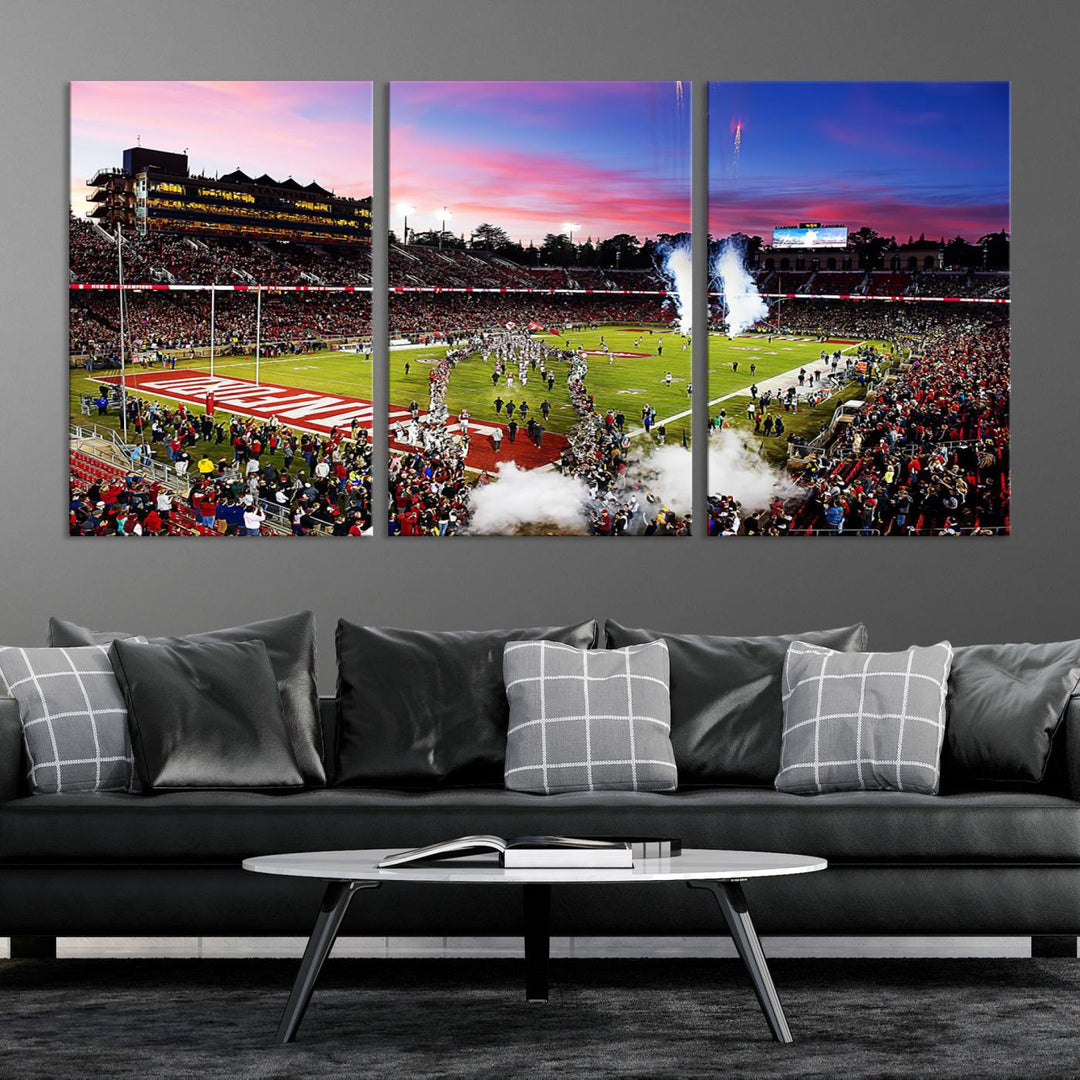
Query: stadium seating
x,y
992,285
180,320
173,259
942,283
889,283
87,469
791,281
837,283
949,452
418,314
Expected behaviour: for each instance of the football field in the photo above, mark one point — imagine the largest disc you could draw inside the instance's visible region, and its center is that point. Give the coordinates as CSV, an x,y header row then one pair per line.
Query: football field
x,y
634,377
331,372
328,372
778,363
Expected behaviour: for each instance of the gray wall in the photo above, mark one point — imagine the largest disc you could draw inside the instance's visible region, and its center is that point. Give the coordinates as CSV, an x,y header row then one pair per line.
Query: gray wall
x,y
1014,589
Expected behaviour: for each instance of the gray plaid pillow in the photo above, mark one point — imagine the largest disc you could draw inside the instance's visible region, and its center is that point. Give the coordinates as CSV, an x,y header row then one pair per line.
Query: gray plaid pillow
x,y
588,719
863,721
74,719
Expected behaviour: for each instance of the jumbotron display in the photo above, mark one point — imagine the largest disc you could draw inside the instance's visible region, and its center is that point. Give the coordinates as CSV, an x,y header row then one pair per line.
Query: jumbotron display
x,y
810,236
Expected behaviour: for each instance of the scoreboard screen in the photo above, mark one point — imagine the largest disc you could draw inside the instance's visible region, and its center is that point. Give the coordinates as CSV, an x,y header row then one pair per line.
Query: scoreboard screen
x,y
810,236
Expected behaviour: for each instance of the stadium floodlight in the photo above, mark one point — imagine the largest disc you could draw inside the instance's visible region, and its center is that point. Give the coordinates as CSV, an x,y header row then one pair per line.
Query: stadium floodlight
x,y
569,227
405,209
444,215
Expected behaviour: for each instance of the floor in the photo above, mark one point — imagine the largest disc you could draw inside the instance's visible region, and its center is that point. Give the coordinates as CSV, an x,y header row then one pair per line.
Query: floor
x,y
467,1019
477,948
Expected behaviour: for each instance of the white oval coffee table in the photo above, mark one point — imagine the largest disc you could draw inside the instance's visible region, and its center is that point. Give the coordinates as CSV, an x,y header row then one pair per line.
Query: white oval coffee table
x,y
720,872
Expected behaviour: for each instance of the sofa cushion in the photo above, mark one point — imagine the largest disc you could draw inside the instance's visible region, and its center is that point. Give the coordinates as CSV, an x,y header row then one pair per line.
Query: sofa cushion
x,y
863,721
426,709
1005,705
73,717
290,644
227,826
205,715
726,712
588,719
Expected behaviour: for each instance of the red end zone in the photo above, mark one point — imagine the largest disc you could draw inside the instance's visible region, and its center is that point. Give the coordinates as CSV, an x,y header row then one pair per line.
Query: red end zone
x,y
309,410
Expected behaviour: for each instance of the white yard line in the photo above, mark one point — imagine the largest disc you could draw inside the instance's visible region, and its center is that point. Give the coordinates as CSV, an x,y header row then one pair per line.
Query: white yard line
x,y
774,382
236,362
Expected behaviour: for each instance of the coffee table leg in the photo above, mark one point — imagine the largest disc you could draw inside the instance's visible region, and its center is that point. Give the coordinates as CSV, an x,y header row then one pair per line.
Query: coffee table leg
x,y
334,905
537,903
732,902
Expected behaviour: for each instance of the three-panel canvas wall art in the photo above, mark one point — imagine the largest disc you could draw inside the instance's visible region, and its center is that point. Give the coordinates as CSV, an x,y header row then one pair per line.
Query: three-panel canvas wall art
x,y
538,357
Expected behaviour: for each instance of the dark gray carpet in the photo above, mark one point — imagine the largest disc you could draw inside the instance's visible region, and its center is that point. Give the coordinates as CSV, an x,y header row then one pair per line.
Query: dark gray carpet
x,y
207,1019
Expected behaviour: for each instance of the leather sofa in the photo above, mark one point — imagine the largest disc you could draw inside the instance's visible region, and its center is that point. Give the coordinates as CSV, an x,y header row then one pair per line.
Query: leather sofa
x,y
983,863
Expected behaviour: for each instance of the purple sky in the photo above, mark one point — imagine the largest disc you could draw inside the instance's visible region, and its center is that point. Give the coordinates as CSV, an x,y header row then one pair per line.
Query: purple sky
x,y
310,130
530,156
903,158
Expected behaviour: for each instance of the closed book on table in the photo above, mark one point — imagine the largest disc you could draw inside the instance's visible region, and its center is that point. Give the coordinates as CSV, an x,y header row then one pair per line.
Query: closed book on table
x,y
608,855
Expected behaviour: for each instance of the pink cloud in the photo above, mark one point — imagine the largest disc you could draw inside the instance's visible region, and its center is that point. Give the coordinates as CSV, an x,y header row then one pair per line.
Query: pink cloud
x,y
529,193
890,212
310,130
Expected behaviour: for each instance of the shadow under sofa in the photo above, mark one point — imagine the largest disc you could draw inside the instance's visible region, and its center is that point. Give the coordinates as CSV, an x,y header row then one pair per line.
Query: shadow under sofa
x,y
971,863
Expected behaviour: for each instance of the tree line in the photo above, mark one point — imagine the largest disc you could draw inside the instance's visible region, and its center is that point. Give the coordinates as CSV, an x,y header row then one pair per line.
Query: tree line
x,y
624,251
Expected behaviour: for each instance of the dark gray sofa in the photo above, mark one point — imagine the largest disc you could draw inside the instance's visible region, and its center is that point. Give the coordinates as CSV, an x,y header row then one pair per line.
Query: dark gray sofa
x,y
993,862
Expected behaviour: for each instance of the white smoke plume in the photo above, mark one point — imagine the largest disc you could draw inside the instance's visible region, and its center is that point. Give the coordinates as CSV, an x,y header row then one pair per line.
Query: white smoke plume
x,y
734,469
743,305
524,500
669,474
677,269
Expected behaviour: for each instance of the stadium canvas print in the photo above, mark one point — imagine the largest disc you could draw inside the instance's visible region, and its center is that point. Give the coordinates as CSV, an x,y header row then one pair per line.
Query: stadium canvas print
x,y
540,337
858,339
220,309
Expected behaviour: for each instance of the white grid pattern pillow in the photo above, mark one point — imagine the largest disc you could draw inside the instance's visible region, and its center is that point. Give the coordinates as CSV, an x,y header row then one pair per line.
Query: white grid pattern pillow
x,y
588,719
74,719
863,721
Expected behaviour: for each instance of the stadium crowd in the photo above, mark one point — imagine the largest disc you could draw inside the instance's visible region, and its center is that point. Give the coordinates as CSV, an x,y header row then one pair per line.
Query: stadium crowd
x,y
421,265
211,260
420,316
429,485
233,476
181,320
928,453
208,260
624,500
861,320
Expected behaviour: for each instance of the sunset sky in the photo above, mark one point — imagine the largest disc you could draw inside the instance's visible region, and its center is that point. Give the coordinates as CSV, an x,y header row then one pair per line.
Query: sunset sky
x,y
903,158
309,130
529,156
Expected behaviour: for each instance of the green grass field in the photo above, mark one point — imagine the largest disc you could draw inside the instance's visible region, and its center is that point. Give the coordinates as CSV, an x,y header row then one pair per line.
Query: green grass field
x,y
628,383
625,385
333,372
730,390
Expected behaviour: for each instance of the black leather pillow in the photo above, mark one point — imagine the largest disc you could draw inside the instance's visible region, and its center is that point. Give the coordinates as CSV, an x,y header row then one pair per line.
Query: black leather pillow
x,y
1005,704
726,709
205,715
290,645
428,709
